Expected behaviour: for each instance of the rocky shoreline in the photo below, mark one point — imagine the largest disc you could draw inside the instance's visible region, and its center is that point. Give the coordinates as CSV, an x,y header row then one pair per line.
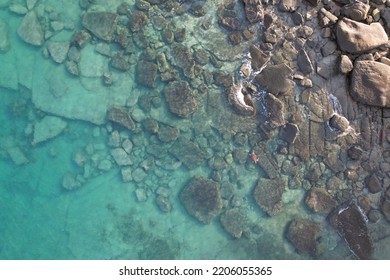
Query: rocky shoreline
x,y
259,97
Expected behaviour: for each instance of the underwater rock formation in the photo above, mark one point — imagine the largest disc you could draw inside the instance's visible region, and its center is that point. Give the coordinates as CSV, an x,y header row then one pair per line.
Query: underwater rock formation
x,y
303,235
30,30
350,222
268,194
202,199
233,221
121,116
180,98
101,24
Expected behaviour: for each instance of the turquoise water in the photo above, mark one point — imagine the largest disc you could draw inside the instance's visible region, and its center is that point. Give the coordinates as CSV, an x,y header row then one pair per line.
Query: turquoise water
x,y
103,217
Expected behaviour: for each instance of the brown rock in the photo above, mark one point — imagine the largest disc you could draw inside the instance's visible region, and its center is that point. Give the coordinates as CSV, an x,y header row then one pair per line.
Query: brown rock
x,y
386,209
351,223
373,183
339,122
370,83
303,235
268,194
357,37
181,100
289,132
258,57
319,200
277,79
357,11
274,111
202,199
121,116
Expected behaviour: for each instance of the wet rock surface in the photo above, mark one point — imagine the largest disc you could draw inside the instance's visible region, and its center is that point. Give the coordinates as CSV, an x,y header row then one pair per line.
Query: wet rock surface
x,y
303,234
351,224
180,98
202,199
268,194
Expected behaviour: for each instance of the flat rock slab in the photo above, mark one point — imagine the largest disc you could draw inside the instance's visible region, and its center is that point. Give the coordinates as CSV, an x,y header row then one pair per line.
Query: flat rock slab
x,y
370,83
48,128
30,30
55,92
351,224
276,79
202,199
357,37
101,24
268,194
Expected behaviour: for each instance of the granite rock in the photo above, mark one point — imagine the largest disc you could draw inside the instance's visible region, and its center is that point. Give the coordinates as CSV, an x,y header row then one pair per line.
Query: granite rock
x,y
357,37
370,83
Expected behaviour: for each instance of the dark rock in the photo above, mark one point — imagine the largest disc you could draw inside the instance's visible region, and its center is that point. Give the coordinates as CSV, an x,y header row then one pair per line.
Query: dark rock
x,y
386,19
357,37
201,56
202,199
258,57
297,18
180,98
303,234
138,21
168,133
183,59
81,38
146,73
268,194
180,34
374,215
233,221
314,3
373,183
151,125
230,23
351,223
121,116
30,30
101,24
289,133
254,10
319,200
188,152
370,83
119,61
329,48
277,79
274,110
267,161
355,152
198,9
304,62
339,122
235,38
386,209
223,79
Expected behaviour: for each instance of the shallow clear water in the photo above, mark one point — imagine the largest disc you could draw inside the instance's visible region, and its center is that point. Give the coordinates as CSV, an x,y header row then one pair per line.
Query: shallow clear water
x,y
104,217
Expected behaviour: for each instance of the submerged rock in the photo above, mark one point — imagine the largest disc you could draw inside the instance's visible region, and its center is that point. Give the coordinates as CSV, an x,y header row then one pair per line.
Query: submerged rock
x,y
303,234
268,194
351,223
357,37
233,221
370,83
202,199
30,30
121,116
4,40
180,98
47,128
319,200
188,152
101,24
58,51
146,73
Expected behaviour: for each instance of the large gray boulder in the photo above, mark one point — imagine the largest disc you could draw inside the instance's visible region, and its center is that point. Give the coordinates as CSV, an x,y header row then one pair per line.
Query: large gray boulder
x,y
30,30
370,83
357,37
